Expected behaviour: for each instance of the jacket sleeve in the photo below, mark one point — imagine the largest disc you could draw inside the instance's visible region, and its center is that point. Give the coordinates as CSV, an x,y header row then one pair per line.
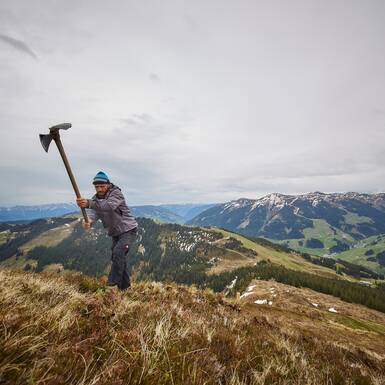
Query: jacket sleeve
x,y
109,204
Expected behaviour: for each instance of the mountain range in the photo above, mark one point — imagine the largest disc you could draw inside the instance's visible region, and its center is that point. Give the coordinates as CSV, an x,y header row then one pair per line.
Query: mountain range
x,y
27,213
316,223
348,226
163,251
171,213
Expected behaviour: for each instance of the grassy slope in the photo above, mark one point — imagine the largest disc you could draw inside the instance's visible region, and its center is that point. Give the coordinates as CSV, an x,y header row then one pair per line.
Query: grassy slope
x,y
353,325
326,233
321,231
4,236
289,260
357,254
48,238
68,330
18,262
229,259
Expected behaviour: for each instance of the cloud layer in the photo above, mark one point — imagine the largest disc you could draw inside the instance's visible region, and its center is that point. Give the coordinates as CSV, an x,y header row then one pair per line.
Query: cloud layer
x,y
18,45
193,101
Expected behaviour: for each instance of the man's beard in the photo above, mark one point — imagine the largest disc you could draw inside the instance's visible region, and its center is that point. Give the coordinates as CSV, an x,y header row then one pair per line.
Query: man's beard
x,y
100,195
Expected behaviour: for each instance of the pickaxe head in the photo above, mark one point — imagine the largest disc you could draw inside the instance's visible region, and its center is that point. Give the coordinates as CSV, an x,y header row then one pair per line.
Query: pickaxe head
x,y
53,132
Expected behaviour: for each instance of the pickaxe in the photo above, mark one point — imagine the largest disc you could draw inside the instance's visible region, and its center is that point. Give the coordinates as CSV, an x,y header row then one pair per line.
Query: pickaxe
x,y
46,140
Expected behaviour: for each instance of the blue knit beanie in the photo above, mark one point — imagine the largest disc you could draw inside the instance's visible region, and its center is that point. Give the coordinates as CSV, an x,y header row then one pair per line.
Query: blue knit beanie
x,y
101,177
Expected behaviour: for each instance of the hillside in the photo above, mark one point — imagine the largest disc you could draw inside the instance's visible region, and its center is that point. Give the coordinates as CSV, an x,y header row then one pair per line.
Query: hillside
x,y
206,257
369,252
66,329
180,250
314,223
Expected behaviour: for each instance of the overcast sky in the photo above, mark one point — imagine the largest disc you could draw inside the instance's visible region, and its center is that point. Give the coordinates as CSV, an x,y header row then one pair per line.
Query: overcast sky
x,y
192,101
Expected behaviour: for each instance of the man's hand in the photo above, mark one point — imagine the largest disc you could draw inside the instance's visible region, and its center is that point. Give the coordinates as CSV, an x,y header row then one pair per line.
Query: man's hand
x,y
86,225
82,202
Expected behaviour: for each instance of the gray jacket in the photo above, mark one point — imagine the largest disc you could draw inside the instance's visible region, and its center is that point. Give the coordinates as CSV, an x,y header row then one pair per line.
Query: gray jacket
x,y
112,211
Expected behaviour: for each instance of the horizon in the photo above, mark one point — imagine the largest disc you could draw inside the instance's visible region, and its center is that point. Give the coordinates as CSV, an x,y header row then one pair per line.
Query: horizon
x,y
208,203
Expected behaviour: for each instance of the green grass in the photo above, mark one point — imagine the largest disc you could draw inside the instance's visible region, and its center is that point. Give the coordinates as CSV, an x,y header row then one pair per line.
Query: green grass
x,y
321,231
18,262
4,237
356,324
326,234
357,254
354,219
288,260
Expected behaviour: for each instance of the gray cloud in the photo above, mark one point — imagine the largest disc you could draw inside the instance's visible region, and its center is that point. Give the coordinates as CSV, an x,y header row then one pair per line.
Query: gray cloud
x,y
177,102
18,45
139,133
154,77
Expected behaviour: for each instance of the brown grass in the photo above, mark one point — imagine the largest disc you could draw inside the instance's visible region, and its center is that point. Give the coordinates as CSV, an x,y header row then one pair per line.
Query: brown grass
x,y
353,326
230,260
66,329
291,260
50,237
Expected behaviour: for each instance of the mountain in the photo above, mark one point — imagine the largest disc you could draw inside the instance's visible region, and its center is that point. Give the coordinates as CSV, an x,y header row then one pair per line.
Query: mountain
x,y
170,213
317,223
23,213
68,329
187,210
159,213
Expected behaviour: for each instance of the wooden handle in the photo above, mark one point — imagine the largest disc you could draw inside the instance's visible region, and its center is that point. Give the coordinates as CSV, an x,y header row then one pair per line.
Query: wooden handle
x,y
57,140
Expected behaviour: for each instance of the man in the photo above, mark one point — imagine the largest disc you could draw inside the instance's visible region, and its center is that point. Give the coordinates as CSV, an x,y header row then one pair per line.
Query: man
x,y
109,206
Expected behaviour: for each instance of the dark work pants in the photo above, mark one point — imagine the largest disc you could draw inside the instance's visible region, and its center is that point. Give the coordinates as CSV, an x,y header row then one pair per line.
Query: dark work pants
x,y
119,272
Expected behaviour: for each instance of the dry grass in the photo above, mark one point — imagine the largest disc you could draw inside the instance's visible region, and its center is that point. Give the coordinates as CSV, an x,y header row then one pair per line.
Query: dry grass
x,y
230,260
290,260
65,329
353,326
50,237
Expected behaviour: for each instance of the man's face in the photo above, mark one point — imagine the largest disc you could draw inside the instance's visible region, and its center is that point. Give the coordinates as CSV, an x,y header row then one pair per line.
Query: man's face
x,y
101,189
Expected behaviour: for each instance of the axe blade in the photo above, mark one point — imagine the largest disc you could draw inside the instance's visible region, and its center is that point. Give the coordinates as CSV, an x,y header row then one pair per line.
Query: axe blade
x,y
62,126
45,141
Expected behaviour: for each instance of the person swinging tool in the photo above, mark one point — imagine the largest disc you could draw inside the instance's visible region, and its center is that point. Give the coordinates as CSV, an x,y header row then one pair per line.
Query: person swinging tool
x,y
108,205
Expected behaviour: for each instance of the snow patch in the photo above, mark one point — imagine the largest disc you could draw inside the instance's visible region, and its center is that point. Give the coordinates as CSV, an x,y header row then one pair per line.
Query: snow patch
x,y
332,310
246,294
244,224
232,284
261,301
315,203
